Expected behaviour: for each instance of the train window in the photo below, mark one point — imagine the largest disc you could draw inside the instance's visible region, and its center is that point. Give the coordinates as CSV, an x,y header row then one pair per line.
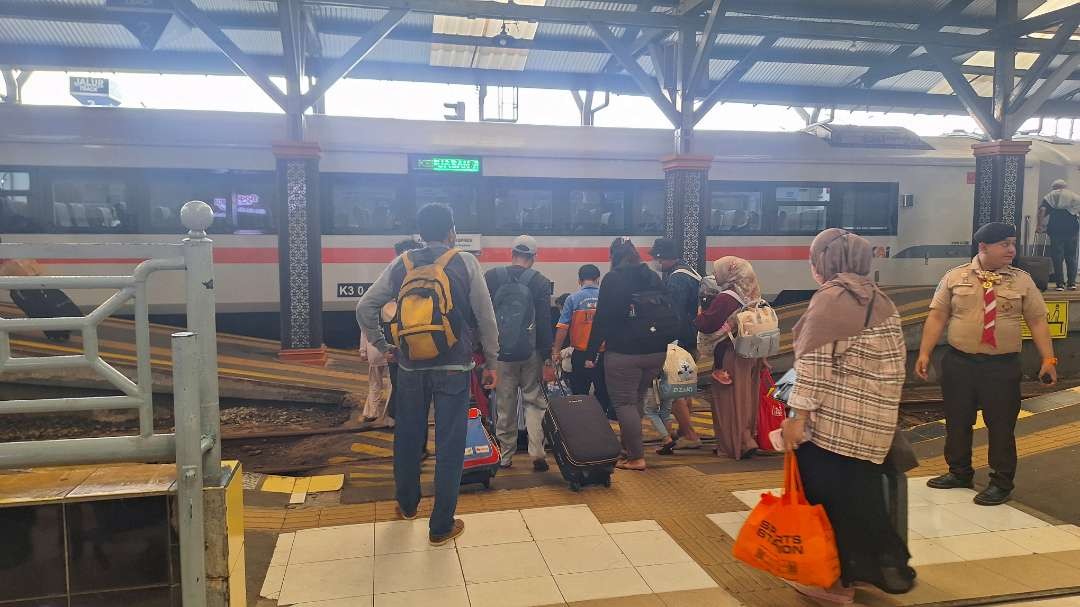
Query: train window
x,y
801,218
15,212
167,195
522,210
869,207
735,212
461,198
367,209
649,211
597,211
252,205
91,205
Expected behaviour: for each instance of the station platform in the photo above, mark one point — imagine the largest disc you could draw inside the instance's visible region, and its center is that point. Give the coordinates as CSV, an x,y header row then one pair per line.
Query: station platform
x,y
664,537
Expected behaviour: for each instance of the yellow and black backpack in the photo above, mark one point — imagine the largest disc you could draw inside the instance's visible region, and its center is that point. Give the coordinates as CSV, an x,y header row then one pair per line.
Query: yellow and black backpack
x,y
426,326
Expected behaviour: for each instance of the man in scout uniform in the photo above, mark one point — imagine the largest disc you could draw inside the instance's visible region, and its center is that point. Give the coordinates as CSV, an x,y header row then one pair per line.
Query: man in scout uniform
x,y
982,303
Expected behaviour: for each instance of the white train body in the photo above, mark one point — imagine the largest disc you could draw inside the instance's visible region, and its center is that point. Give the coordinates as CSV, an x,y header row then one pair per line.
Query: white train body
x,y
97,175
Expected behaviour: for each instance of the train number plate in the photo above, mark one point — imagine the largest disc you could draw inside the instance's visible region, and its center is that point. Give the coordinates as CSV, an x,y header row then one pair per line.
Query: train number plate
x,y
352,289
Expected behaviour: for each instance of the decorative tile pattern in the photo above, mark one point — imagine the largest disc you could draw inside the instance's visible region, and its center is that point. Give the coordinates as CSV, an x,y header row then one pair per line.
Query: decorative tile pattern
x,y
296,176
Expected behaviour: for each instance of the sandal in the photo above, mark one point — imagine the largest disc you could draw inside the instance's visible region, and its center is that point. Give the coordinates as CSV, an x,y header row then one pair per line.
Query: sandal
x,y
667,449
624,465
721,376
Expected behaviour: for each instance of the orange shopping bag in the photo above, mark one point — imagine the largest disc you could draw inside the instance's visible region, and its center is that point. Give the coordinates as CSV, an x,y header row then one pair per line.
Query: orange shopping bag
x,y
788,537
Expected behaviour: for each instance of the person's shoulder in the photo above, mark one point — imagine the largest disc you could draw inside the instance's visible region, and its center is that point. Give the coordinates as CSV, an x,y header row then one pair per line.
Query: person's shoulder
x,y
1023,278
956,273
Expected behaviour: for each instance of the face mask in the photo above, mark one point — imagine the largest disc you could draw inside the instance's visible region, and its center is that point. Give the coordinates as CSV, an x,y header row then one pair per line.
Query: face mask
x,y
655,265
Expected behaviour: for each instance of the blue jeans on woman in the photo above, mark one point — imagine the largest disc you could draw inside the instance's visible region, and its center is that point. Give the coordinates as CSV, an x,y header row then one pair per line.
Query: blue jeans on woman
x,y
450,392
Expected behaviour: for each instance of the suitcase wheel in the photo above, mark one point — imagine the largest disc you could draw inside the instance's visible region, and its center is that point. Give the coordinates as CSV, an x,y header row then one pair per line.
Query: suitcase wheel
x,y
487,483
575,486
607,481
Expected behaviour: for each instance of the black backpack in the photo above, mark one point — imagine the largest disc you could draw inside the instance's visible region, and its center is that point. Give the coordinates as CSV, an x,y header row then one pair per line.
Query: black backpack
x,y
515,315
652,320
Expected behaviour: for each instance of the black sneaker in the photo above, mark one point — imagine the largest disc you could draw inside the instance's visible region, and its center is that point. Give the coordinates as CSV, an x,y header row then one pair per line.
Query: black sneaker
x,y
540,465
950,481
992,496
667,449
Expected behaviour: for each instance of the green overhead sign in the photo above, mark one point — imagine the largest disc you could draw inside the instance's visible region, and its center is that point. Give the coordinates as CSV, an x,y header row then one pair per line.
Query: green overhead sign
x,y
444,164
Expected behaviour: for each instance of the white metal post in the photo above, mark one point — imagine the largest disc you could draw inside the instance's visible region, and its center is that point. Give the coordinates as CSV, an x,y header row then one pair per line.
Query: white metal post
x,y
197,216
189,493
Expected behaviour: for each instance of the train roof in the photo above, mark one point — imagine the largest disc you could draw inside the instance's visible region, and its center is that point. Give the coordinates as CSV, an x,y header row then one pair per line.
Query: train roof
x,y
254,133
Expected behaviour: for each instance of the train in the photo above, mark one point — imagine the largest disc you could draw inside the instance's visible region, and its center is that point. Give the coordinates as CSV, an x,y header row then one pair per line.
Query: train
x,y
120,175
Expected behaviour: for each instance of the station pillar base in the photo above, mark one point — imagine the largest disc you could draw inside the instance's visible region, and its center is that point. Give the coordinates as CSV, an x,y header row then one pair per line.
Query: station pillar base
x,y
686,191
299,252
999,182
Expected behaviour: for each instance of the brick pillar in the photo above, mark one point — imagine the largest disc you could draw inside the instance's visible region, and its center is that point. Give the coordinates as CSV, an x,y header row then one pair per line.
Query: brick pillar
x,y
999,182
300,253
686,184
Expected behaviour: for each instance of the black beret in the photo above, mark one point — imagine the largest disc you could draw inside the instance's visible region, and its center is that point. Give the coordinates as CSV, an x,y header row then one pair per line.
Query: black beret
x,y
994,232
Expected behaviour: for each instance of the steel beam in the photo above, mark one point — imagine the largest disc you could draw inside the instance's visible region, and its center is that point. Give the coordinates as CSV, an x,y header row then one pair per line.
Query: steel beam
x,y
974,104
1036,70
476,9
1035,101
700,63
352,57
887,67
730,78
292,53
628,37
12,86
648,85
1004,70
1016,27
239,58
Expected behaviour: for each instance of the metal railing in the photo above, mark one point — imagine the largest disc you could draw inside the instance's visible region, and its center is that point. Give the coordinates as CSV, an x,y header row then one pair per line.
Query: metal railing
x,y
195,444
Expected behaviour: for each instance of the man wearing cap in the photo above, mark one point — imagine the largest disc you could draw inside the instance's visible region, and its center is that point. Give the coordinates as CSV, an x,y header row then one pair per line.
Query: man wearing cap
x,y
683,283
982,303
1058,214
523,374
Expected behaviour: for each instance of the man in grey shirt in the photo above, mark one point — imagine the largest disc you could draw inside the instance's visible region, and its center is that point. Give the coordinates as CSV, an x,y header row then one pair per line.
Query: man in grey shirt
x,y
444,379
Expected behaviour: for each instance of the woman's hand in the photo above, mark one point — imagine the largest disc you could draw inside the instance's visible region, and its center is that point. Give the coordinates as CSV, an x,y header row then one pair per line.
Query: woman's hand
x,y
793,431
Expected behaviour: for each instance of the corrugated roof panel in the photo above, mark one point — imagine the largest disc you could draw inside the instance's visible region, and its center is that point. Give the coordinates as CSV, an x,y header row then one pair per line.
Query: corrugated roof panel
x,y
861,46
256,42
400,51
572,30
717,68
237,6
918,80
559,61
55,33
767,72
352,14
738,40
593,5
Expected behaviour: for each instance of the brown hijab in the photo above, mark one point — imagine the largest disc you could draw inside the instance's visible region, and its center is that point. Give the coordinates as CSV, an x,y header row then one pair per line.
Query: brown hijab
x,y
839,308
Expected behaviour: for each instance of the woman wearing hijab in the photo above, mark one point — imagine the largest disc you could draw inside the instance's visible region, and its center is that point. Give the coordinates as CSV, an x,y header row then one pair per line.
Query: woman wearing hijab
x,y
849,361
630,366
735,379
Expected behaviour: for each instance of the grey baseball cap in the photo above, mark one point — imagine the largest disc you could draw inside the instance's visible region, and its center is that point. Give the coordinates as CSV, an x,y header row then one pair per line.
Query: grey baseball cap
x,y
525,244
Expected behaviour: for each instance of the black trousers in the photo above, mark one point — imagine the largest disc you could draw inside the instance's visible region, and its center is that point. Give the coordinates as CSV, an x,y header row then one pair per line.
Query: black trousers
x,y
1063,248
582,380
991,383
853,494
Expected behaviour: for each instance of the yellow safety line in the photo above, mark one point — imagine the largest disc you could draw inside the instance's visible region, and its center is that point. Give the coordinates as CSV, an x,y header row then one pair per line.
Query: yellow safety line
x,y
371,450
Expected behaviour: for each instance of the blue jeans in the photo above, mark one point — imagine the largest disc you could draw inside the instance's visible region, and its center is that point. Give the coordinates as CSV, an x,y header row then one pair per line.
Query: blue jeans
x,y
416,390
659,415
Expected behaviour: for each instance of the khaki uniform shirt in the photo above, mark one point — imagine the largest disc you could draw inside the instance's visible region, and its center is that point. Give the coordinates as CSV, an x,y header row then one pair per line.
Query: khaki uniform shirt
x,y
960,295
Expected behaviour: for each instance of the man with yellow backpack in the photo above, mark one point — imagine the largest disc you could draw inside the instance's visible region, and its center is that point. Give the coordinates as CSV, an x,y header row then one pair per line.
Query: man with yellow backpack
x,y
443,311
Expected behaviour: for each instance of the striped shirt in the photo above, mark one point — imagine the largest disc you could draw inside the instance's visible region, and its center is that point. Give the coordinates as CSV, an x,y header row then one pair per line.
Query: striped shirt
x,y
852,390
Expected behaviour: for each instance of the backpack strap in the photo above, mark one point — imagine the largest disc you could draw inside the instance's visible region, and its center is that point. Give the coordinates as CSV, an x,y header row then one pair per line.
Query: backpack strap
x,y
870,310
689,272
407,260
526,276
503,274
445,258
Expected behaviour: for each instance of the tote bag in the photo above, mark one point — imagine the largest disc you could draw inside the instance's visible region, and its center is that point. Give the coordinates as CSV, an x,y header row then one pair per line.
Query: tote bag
x,y
770,410
789,538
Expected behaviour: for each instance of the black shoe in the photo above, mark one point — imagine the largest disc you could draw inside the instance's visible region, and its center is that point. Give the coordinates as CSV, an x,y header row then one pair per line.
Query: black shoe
x,y
950,481
667,449
992,496
456,530
895,580
540,465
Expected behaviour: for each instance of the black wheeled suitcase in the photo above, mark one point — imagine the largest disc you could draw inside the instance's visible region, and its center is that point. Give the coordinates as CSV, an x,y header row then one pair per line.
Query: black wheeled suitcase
x,y
581,438
46,303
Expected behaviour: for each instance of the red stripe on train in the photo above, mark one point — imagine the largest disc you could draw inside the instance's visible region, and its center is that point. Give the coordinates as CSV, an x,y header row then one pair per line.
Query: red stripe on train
x,y
336,255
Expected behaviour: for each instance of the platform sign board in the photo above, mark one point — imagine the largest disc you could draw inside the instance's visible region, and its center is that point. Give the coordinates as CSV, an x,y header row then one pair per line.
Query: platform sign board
x,y
352,290
1057,317
424,163
93,91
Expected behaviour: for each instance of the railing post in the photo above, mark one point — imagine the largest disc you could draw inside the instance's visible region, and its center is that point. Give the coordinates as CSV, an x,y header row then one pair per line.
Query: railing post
x,y
197,216
189,473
